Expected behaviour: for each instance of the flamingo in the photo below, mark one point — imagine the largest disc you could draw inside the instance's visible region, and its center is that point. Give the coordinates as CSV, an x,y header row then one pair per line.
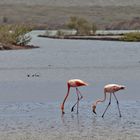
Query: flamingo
x,y
74,83
111,89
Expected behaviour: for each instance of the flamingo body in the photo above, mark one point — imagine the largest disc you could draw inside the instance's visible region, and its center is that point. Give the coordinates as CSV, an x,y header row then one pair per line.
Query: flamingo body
x,y
111,88
74,83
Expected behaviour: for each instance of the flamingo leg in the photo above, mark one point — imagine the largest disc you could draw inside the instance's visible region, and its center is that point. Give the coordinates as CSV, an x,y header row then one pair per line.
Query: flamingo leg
x,y
117,104
107,105
79,94
78,99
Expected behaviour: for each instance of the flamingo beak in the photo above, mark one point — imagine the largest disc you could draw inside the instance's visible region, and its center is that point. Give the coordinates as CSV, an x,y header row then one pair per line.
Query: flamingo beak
x,y
62,108
94,112
123,87
93,109
63,112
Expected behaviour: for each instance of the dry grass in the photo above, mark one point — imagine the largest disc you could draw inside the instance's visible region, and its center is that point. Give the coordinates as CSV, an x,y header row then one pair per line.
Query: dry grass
x,y
74,2
56,16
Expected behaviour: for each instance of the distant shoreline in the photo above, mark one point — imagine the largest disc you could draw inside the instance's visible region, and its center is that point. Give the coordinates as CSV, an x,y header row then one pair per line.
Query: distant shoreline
x,y
105,35
108,38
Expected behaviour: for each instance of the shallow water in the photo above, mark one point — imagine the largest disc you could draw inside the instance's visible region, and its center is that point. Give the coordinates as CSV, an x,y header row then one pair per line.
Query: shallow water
x,y
44,121
33,85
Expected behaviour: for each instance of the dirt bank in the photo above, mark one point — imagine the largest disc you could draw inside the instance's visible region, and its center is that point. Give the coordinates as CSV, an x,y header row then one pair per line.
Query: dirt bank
x,y
15,47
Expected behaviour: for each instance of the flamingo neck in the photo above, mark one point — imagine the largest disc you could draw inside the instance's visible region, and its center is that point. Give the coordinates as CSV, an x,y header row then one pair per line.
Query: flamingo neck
x,y
66,95
100,100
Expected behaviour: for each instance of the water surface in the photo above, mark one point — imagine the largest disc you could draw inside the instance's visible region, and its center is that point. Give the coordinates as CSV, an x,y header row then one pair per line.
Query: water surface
x,y
43,121
56,61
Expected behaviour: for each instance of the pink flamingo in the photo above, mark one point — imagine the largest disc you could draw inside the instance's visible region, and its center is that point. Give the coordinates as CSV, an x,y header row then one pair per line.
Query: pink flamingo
x,y
110,88
74,83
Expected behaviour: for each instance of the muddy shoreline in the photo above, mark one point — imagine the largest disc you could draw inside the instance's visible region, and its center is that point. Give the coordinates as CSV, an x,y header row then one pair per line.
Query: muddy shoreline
x,y
16,47
108,38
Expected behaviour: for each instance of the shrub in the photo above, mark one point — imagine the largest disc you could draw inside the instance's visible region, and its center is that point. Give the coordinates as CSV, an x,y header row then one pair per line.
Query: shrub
x,y
134,36
94,28
82,26
14,34
60,33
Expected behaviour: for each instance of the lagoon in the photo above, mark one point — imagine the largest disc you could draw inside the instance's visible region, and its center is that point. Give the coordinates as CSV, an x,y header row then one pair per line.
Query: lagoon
x,y
56,61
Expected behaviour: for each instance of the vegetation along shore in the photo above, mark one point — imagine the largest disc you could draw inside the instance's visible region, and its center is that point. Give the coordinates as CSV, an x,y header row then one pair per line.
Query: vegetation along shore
x,y
18,17
80,28
15,37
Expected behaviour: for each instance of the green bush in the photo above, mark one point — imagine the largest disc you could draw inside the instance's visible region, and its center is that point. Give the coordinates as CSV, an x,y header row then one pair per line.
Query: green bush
x,y
82,26
134,36
14,34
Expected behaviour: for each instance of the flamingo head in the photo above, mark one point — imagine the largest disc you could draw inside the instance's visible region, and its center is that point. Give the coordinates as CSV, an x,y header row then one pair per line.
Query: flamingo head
x,y
62,108
123,87
94,108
